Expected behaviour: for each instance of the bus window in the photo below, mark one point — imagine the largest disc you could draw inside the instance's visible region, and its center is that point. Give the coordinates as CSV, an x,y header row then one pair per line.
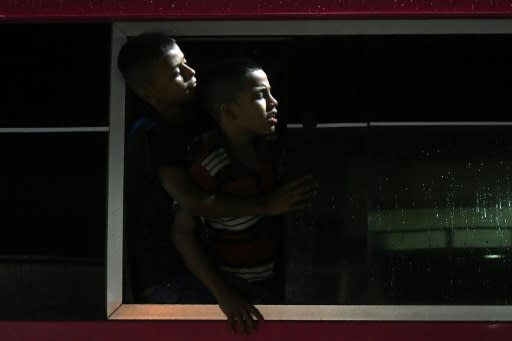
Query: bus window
x,y
407,136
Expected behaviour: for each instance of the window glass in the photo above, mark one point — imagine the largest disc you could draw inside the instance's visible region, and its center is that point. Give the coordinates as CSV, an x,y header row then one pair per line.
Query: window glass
x,y
440,215
53,194
326,246
57,75
437,78
411,78
403,216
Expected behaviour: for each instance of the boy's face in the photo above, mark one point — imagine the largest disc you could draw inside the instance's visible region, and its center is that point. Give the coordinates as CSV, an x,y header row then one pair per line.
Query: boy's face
x,y
255,111
173,81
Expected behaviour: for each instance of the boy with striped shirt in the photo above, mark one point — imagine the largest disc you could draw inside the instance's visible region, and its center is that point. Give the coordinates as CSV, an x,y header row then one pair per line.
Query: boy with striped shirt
x,y
239,260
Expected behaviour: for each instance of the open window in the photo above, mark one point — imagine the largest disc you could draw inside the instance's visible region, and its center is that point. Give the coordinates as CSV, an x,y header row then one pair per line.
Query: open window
x,y
404,123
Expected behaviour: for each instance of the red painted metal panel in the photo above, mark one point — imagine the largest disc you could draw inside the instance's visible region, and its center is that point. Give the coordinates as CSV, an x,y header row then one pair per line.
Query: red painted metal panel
x,y
107,10
269,331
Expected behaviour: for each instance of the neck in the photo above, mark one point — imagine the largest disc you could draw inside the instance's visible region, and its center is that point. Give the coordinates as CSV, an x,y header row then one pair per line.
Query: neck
x,y
171,113
241,144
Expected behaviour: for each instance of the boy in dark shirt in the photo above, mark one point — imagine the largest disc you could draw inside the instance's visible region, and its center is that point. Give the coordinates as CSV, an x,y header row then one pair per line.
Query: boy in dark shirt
x,y
240,264
155,69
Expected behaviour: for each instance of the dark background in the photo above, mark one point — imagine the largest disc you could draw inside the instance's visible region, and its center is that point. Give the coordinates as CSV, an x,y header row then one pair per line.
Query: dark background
x,y
53,185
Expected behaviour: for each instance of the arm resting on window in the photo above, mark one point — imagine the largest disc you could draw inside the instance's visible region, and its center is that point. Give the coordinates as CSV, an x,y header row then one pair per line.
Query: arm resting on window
x,y
235,307
193,253
180,185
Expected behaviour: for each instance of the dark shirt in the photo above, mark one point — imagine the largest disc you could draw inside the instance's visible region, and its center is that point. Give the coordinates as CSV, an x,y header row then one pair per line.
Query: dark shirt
x,y
152,143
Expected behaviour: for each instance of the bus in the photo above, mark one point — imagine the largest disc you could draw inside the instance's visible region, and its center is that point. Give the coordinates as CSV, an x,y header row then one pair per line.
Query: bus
x,y
399,108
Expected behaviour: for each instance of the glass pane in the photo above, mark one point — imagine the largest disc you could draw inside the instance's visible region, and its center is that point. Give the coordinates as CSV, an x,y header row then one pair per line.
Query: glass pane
x,y
326,246
376,78
440,216
329,80
437,78
402,78
55,75
53,194
304,72
403,216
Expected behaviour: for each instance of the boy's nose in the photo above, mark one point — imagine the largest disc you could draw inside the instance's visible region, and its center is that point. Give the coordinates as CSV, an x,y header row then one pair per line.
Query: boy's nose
x,y
273,101
189,72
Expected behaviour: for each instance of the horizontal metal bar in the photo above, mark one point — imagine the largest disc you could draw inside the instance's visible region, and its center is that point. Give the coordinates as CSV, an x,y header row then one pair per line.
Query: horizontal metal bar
x,y
54,130
233,39
421,124
318,27
329,125
400,124
321,312
341,125
16,258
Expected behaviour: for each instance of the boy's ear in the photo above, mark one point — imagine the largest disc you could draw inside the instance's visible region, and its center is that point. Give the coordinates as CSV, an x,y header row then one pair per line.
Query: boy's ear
x,y
227,111
146,92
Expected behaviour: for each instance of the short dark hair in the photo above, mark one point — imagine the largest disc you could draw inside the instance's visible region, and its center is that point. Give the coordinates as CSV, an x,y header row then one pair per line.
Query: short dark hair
x,y
140,54
223,81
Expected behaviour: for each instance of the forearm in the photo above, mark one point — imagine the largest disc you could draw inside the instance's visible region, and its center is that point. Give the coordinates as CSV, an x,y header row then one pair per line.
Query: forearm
x,y
197,262
235,307
200,202
178,183
224,205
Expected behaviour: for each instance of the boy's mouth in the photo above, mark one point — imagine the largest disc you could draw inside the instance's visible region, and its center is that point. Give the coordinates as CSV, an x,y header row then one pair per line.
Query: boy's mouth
x,y
192,85
272,117
191,88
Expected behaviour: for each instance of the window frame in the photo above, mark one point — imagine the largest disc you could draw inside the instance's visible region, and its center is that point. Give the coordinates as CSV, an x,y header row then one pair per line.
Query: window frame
x,y
116,310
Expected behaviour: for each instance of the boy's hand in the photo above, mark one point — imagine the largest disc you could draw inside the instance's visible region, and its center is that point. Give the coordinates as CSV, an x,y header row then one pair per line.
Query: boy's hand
x,y
239,311
295,195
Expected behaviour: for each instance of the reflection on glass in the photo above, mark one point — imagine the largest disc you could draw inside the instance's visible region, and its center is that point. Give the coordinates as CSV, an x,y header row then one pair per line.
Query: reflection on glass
x,y
440,216
404,216
326,246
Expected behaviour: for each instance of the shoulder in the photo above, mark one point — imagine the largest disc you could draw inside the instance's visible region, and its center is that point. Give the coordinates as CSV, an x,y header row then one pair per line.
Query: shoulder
x,y
151,127
141,125
167,137
162,127
210,154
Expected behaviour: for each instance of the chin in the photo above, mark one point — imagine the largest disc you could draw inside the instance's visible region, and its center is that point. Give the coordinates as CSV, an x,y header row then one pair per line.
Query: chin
x,y
188,97
270,137
270,132
265,132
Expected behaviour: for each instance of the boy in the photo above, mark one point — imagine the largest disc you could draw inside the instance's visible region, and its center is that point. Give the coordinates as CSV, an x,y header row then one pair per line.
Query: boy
x,y
155,69
240,264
